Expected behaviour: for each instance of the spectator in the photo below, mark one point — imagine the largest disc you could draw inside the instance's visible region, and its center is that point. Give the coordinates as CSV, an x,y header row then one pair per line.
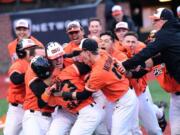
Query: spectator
x,y
118,15
178,12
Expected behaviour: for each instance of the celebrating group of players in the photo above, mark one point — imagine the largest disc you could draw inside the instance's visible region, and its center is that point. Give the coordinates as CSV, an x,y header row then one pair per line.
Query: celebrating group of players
x,y
82,87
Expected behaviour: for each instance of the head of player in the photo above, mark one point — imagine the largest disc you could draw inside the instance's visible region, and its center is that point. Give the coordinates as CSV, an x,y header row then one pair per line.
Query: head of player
x,y
22,28
89,52
55,52
94,27
25,49
120,30
42,67
107,41
75,32
130,42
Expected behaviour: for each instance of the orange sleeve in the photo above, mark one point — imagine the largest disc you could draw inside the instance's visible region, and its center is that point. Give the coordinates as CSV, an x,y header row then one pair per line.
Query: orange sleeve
x,y
95,81
45,97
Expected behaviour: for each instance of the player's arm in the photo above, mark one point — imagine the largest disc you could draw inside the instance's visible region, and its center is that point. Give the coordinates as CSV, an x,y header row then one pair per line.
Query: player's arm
x,y
38,87
152,49
17,78
77,95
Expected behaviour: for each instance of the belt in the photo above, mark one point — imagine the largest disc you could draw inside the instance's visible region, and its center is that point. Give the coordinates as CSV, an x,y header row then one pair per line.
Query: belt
x,y
47,114
14,104
92,105
177,93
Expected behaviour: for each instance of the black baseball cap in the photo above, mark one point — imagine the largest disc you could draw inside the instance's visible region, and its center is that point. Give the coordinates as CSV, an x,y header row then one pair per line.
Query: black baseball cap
x,y
163,13
89,45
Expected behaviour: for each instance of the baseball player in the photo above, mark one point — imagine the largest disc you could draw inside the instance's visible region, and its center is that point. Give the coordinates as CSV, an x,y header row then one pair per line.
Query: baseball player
x,y
37,115
70,79
16,91
22,30
76,33
115,87
94,28
146,111
107,43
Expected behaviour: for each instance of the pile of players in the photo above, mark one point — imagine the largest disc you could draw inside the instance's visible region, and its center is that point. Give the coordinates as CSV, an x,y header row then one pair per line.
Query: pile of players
x,y
82,88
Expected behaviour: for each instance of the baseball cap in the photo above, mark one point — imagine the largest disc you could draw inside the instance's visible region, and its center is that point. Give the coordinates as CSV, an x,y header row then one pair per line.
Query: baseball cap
x,y
89,45
123,25
22,23
27,43
163,13
116,10
73,26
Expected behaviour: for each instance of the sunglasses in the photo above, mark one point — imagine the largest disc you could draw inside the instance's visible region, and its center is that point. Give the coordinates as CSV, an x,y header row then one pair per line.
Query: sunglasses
x,y
73,32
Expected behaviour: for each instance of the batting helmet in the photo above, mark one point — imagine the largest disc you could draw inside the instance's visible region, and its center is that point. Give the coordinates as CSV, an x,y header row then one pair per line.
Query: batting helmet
x,y
54,50
22,45
42,67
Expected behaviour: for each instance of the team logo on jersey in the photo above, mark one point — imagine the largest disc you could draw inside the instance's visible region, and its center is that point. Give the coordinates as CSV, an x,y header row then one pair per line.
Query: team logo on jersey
x,y
157,71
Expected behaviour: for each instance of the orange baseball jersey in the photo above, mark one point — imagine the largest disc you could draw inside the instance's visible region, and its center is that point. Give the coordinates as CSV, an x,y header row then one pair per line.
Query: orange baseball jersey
x,y
104,76
140,84
119,55
31,101
70,81
12,45
16,93
69,49
165,80
119,47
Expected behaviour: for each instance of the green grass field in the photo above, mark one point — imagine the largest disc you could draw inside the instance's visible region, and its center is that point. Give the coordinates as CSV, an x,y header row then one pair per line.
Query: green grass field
x,y
157,94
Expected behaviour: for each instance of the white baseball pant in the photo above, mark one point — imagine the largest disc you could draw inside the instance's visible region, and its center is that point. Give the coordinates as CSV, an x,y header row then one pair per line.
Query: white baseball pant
x,y
125,115
13,123
88,119
147,115
101,101
62,122
174,114
35,123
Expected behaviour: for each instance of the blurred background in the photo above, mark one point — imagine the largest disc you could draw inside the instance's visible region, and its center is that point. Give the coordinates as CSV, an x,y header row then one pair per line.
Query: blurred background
x,y
49,18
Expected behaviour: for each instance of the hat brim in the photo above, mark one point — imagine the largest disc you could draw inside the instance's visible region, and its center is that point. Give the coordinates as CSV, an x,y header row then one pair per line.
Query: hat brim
x,y
115,13
22,27
121,28
153,17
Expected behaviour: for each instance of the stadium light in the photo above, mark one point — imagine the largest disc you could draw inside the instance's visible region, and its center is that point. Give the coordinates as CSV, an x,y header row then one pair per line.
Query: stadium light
x,y
165,0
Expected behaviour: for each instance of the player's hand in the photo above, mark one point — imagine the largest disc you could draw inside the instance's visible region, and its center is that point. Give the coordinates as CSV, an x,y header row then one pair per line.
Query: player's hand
x,y
49,90
121,68
67,95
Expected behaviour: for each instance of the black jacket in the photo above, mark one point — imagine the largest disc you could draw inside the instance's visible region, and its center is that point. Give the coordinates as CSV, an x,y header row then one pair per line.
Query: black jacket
x,y
167,43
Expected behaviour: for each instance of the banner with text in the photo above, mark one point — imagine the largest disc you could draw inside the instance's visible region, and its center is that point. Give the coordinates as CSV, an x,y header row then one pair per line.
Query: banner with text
x,y
50,24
